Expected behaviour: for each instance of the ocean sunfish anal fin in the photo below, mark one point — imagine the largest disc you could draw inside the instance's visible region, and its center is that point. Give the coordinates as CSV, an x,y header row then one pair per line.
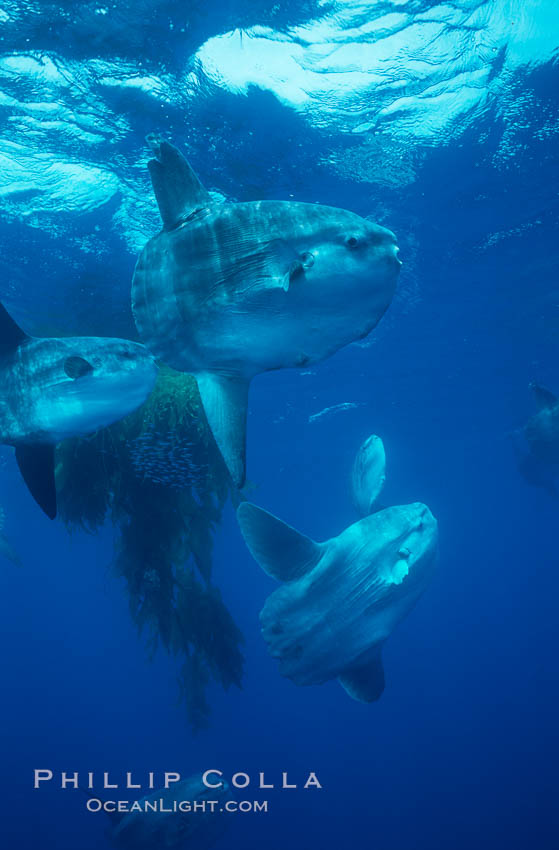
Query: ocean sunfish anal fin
x,y
177,189
11,335
225,401
36,464
366,683
544,397
281,551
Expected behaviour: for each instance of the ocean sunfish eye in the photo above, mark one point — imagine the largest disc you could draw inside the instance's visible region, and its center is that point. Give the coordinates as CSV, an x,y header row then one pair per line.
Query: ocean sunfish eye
x,y
307,259
77,367
352,242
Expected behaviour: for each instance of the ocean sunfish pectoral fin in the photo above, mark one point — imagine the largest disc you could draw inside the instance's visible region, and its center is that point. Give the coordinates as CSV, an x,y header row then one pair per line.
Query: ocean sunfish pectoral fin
x,y
281,551
11,335
271,265
544,397
36,464
177,189
225,401
365,683
295,270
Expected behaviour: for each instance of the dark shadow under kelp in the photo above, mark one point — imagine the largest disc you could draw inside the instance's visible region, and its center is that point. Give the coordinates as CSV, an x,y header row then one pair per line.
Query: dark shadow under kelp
x,y
158,476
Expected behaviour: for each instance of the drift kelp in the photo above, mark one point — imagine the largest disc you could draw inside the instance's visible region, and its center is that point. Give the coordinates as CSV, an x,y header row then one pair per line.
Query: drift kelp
x,y
160,479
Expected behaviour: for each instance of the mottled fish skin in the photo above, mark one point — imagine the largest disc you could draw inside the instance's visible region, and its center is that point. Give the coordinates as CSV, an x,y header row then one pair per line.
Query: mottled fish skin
x,y
245,288
336,617
41,403
226,291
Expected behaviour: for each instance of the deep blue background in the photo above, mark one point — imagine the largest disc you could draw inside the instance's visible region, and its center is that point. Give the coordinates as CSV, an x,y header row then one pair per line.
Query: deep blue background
x,y
461,750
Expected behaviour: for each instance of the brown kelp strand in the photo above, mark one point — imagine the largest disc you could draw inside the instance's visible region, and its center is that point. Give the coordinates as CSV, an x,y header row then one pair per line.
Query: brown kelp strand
x,y
157,475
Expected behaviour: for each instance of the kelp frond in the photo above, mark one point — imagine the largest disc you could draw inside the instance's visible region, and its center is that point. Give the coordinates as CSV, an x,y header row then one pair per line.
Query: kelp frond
x,y
158,476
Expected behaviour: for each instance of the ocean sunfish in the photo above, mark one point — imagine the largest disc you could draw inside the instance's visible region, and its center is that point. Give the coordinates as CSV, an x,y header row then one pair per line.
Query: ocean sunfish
x,y
341,599
228,290
52,389
537,444
147,829
368,475
542,429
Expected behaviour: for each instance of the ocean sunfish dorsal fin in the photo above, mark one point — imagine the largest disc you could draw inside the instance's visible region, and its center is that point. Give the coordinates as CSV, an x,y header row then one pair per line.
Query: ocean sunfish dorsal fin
x,y
365,683
281,551
225,401
544,397
11,335
36,464
177,189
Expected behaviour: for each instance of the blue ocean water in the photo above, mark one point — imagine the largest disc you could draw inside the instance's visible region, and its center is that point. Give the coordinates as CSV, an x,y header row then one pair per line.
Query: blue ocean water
x,y
439,121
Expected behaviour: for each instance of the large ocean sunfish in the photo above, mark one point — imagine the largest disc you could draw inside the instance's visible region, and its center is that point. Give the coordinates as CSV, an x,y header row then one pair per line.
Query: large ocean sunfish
x,y
341,599
51,389
226,291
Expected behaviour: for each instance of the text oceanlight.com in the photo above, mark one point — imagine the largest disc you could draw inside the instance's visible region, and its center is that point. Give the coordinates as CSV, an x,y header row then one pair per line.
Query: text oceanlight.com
x,y
162,806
